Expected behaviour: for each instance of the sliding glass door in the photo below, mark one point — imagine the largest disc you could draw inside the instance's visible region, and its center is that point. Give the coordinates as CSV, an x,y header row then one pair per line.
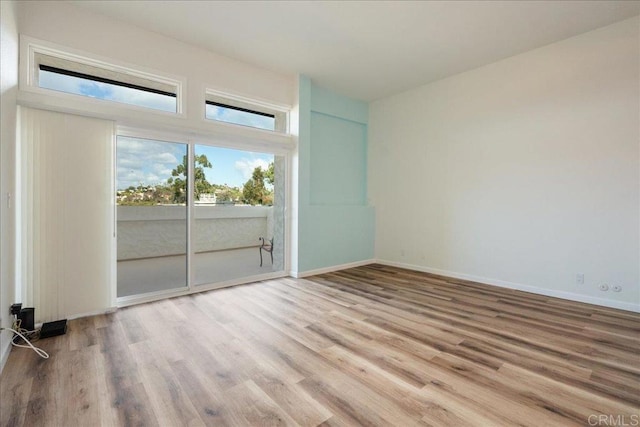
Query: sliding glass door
x,y
238,227
233,211
151,200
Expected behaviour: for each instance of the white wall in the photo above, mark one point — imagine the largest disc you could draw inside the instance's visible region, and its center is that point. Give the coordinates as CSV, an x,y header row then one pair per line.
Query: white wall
x,y
521,173
8,90
78,28
104,38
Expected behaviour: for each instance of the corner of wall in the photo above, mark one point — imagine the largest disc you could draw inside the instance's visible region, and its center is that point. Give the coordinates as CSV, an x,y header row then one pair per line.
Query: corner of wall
x,y
8,95
524,171
297,122
335,223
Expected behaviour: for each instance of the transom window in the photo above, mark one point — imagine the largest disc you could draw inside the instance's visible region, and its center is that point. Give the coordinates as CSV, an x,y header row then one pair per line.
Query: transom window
x,y
105,82
245,113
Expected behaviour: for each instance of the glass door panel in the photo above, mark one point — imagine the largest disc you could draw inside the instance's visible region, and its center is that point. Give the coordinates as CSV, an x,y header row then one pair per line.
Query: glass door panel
x,y
151,199
239,198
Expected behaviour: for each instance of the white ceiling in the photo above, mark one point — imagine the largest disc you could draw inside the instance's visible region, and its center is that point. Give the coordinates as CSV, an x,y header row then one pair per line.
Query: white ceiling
x,y
368,50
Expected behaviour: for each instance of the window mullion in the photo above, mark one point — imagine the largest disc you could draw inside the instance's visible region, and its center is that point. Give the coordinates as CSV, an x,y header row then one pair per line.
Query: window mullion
x,y
190,211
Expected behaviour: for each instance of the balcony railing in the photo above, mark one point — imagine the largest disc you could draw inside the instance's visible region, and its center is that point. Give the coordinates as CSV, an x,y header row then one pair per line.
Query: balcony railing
x,y
157,231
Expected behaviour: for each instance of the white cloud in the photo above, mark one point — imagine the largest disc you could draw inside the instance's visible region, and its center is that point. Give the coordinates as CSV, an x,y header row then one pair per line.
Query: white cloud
x,y
162,170
163,158
128,162
246,166
129,177
146,162
60,82
109,92
153,178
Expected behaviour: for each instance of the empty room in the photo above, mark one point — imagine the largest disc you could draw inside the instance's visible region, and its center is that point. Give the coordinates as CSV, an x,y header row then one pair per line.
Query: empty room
x,y
320,213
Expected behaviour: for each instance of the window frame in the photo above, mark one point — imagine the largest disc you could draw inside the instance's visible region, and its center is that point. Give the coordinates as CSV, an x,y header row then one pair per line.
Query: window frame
x,y
279,113
192,140
31,49
187,124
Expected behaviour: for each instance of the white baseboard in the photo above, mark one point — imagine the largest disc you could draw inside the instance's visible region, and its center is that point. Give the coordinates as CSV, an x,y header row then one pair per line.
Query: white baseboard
x,y
517,286
160,295
301,274
92,313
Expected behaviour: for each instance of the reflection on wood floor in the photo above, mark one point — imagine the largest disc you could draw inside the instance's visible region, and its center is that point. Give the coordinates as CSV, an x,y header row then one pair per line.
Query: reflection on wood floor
x,y
372,345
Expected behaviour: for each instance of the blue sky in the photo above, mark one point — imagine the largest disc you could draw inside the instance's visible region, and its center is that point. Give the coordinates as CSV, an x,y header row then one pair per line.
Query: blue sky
x,y
147,162
239,117
232,167
111,92
93,89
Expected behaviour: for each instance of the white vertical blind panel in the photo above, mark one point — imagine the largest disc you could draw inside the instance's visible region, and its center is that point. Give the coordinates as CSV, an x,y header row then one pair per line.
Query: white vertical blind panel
x,y
67,213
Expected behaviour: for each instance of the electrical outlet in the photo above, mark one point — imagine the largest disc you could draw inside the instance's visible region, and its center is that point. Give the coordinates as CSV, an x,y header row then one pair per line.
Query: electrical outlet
x,y
15,308
580,279
604,287
616,288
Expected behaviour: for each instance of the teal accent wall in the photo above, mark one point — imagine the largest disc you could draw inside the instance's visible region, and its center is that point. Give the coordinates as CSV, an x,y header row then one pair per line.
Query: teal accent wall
x,y
338,161
335,224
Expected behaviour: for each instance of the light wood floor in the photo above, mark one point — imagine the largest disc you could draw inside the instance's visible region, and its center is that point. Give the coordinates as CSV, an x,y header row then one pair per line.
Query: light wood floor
x,y
368,346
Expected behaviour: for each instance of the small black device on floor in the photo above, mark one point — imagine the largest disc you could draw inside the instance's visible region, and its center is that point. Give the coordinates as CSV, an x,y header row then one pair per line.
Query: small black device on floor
x,y
26,317
52,329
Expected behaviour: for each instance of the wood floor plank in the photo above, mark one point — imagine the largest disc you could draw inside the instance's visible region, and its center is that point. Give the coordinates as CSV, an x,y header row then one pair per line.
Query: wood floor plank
x,y
409,398
355,405
109,415
204,393
495,396
14,401
274,319
134,407
169,400
292,398
256,407
81,390
373,345
47,399
565,397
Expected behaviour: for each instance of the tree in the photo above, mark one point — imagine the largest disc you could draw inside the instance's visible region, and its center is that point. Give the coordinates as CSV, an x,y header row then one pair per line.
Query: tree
x,y
226,194
179,183
270,174
255,191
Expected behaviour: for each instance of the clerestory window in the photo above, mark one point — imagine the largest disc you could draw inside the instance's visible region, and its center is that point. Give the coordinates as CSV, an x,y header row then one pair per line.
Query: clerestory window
x,y
105,82
245,113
